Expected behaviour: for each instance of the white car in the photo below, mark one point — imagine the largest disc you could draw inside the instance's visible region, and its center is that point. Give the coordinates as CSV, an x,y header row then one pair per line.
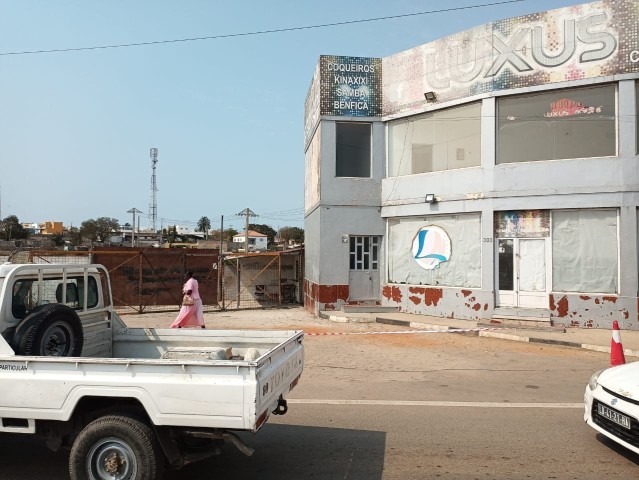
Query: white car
x,y
612,404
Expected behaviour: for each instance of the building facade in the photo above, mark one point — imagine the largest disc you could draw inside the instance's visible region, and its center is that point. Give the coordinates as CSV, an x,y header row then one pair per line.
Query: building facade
x,y
490,174
256,241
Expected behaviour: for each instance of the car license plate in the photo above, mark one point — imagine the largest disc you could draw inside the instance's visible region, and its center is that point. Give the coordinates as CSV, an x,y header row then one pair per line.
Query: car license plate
x,y
616,417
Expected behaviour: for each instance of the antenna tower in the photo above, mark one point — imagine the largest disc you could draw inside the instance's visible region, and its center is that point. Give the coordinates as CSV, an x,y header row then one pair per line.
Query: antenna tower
x,y
153,207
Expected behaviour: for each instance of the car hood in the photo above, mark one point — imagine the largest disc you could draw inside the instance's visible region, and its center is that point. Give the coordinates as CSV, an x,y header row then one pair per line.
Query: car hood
x,y
622,380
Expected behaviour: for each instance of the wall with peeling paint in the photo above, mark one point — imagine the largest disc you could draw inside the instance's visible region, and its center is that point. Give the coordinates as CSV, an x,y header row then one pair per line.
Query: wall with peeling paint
x,y
593,311
439,302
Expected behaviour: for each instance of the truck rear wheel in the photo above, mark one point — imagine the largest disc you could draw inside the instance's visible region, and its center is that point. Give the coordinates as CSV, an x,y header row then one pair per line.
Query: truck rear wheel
x,y
116,447
55,331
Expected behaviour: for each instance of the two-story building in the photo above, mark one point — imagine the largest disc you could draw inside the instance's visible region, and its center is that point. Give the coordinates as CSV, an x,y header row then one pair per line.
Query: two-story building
x,y
487,175
256,241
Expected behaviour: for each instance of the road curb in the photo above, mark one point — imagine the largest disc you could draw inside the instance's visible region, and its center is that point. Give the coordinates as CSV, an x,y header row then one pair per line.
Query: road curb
x,y
507,336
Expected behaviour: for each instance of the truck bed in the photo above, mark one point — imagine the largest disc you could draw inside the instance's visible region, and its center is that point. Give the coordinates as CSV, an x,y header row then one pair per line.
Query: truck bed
x,y
186,377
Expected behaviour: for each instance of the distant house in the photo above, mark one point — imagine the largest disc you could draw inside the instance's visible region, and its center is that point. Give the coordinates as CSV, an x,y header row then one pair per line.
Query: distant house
x,y
44,228
256,241
52,228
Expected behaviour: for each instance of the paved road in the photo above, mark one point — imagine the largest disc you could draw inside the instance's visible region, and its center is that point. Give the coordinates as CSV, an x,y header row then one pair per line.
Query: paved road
x,y
440,406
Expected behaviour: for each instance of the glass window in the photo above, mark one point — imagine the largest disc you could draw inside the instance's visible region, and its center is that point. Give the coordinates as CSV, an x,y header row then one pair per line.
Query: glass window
x,y
575,123
353,149
25,294
436,141
584,251
363,253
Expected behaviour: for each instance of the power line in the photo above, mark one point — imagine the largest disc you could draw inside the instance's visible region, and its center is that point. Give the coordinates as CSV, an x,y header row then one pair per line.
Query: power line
x,y
260,32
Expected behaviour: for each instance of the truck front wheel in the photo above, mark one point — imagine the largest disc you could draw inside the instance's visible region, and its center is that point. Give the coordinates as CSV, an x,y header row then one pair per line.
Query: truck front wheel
x,y
116,447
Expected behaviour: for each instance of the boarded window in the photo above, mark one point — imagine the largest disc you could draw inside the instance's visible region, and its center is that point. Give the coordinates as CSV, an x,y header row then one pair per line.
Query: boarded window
x,y
584,251
462,269
353,149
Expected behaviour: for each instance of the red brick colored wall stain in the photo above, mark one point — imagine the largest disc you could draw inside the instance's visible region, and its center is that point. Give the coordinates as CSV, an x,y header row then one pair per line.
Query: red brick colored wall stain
x,y
553,307
392,293
415,300
466,293
432,296
477,307
584,297
327,293
342,292
609,299
417,291
562,307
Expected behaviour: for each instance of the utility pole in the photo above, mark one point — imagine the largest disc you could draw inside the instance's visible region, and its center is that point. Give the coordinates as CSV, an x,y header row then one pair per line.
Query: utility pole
x,y
133,211
248,213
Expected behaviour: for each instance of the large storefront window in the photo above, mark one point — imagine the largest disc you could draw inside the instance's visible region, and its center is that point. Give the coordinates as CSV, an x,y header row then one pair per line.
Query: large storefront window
x,y
454,263
584,251
353,149
436,141
575,123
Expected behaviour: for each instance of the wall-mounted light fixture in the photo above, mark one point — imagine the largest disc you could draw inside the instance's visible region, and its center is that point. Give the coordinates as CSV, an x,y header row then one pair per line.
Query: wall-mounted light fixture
x,y
430,198
430,96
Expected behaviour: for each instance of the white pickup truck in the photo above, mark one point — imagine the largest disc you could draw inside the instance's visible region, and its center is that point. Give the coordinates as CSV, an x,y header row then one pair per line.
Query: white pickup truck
x,y
129,402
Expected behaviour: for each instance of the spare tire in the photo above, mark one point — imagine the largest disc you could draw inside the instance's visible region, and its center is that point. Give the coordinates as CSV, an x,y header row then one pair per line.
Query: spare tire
x,y
53,331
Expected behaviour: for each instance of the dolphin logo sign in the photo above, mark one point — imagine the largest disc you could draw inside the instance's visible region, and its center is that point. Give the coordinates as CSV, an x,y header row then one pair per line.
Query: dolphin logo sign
x,y
431,247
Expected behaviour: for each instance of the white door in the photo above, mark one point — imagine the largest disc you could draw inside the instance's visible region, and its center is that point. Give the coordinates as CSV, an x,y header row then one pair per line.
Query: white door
x,y
363,281
522,275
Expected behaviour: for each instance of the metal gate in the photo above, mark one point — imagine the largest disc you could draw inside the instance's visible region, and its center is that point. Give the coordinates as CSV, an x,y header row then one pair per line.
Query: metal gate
x,y
148,279
261,280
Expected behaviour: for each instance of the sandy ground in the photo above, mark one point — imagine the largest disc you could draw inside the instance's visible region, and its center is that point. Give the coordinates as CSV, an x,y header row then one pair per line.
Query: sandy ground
x,y
296,318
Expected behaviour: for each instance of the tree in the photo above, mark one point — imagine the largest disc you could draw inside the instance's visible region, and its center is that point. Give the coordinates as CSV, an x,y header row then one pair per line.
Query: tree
x,y
57,239
229,233
294,234
203,224
172,236
12,229
75,236
264,230
100,229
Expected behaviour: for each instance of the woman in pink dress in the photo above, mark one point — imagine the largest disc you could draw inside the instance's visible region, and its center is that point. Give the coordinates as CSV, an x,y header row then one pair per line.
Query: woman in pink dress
x,y
190,315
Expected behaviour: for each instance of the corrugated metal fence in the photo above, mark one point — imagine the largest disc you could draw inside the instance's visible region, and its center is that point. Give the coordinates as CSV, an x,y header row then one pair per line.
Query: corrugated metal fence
x,y
147,280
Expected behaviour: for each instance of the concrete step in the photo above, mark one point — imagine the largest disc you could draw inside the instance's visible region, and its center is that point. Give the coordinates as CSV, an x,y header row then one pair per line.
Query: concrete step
x,y
368,309
525,323
515,312
340,317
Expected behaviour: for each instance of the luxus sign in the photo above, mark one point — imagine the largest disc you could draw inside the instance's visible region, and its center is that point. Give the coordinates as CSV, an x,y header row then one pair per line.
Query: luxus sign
x,y
585,41
526,49
596,45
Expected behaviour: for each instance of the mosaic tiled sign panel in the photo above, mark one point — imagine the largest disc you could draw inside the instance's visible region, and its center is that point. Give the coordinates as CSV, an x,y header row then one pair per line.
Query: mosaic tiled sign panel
x,y
584,41
351,86
522,224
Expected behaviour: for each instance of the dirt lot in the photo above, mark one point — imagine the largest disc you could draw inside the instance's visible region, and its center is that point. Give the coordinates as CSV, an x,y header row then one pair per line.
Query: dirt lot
x,y
297,318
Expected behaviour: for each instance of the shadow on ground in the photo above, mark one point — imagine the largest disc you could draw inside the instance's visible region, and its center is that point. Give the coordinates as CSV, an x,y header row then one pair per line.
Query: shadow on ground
x,y
297,452
281,452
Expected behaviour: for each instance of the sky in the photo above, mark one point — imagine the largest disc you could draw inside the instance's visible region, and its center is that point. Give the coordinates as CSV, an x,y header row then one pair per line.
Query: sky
x,y
226,114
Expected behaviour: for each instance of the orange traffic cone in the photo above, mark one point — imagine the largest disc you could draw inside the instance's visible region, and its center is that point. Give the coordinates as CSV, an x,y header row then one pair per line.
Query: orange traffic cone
x,y
616,350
